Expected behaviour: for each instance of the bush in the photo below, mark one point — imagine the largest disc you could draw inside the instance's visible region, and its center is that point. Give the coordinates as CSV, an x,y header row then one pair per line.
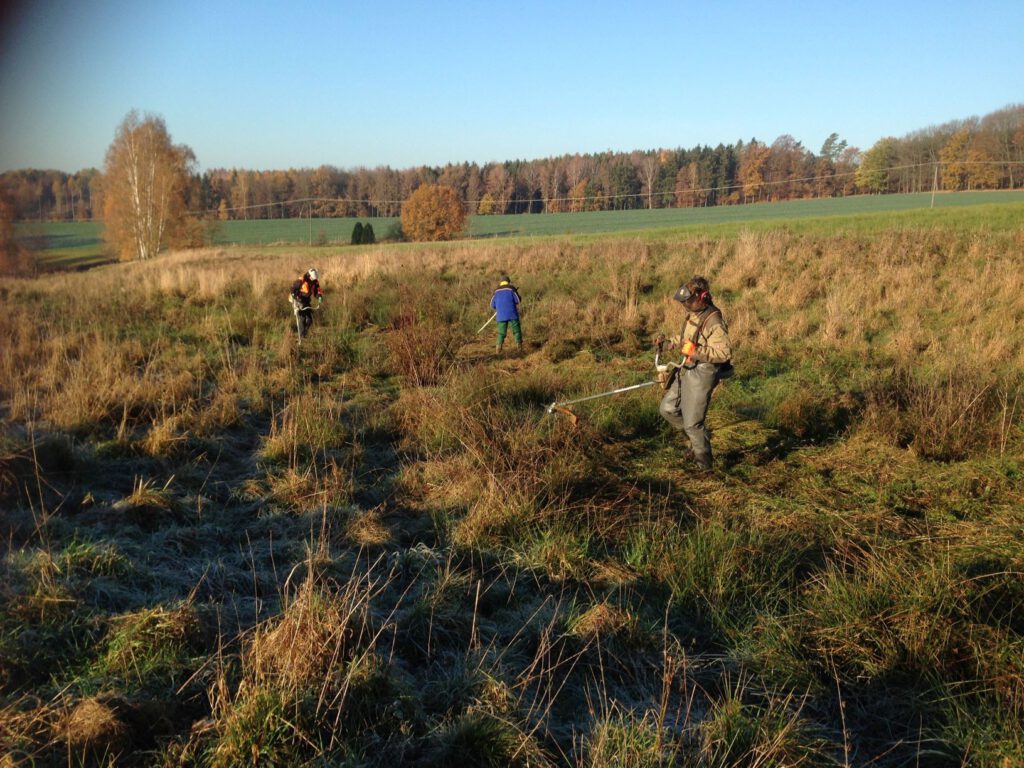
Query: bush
x,y
433,212
357,233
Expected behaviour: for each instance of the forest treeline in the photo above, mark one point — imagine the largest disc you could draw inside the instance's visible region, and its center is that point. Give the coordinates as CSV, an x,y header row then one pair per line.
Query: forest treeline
x,y
975,153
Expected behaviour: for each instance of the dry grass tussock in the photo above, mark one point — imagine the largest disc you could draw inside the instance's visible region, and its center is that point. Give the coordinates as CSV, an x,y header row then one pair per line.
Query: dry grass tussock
x,y
320,629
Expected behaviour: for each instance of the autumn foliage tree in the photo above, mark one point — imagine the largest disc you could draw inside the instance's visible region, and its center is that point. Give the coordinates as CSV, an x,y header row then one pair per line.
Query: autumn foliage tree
x,y
952,156
873,173
144,185
14,259
433,212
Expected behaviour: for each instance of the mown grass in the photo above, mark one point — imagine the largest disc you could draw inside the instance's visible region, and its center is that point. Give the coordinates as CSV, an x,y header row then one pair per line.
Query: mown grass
x,y
380,549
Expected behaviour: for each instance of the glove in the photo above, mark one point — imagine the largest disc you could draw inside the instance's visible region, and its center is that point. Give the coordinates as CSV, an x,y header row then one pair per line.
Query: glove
x,y
689,349
659,339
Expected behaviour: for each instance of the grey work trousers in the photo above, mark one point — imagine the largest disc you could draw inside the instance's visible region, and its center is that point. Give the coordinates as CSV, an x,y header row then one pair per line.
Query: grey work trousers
x,y
685,404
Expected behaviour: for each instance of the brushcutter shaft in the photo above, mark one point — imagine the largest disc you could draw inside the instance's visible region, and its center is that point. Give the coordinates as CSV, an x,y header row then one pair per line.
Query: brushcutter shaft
x,y
554,406
488,321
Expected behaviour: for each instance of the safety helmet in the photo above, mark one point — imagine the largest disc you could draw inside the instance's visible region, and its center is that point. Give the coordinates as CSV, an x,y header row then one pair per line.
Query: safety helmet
x,y
504,280
312,274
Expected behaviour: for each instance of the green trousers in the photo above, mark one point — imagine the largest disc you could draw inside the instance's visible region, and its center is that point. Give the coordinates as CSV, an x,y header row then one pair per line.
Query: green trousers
x,y
504,325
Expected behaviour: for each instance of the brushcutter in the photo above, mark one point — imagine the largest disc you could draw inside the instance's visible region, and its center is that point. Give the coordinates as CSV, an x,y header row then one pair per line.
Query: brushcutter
x,y
298,310
487,323
666,373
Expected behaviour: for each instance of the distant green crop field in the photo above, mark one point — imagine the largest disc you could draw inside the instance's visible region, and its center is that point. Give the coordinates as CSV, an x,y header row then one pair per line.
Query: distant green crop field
x,y
79,244
305,231
65,244
672,218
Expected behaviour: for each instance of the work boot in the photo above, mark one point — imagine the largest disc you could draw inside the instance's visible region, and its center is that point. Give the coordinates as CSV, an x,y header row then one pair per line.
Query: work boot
x,y
519,347
497,349
703,461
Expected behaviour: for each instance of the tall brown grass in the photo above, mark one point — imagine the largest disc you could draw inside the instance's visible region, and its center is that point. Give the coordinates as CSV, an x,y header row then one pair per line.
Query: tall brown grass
x,y
411,561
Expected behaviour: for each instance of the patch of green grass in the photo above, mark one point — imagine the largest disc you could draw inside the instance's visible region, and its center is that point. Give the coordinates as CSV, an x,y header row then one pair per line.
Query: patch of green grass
x,y
479,738
153,647
740,730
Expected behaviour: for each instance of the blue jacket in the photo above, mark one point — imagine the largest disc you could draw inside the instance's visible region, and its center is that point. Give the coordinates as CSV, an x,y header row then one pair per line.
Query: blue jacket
x,y
505,302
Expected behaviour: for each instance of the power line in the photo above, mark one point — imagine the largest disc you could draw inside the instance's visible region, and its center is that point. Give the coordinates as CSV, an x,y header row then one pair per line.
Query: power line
x,y
605,197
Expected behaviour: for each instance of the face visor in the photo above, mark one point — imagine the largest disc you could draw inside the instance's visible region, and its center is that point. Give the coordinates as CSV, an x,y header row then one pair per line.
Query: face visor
x,y
312,274
683,295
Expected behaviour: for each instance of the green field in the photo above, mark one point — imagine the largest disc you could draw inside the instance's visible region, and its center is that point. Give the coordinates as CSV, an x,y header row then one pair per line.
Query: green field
x,y
79,245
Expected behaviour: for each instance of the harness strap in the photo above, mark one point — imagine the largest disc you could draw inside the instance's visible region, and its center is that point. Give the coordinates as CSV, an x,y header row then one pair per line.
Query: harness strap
x,y
704,321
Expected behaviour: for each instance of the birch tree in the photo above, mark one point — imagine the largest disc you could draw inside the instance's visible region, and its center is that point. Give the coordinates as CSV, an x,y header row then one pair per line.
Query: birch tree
x,y
144,187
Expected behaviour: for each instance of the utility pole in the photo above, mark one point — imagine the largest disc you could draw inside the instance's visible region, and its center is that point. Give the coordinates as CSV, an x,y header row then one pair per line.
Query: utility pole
x,y
935,183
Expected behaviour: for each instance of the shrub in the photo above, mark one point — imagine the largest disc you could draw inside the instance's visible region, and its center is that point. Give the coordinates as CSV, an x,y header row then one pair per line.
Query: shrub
x,y
433,212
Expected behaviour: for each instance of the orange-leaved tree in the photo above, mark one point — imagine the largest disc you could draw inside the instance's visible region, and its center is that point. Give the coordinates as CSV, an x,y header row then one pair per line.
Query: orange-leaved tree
x,y
952,156
14,259
433,212
144,185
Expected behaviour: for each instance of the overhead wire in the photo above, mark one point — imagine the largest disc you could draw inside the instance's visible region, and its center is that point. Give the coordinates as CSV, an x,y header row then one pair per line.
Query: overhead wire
x,y
721,188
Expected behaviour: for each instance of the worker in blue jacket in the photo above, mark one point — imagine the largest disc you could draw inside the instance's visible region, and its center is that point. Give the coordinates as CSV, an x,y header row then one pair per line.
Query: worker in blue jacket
x,y
505,303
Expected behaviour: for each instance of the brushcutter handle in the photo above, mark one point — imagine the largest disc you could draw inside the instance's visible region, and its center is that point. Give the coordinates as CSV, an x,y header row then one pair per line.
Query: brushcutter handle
x,y
659,342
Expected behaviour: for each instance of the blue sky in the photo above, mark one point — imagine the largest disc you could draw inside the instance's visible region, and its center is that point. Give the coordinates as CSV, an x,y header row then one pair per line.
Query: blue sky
x,y
424,83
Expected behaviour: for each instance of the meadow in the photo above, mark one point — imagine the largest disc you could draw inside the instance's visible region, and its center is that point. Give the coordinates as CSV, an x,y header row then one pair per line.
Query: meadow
x,y
379,549
77,245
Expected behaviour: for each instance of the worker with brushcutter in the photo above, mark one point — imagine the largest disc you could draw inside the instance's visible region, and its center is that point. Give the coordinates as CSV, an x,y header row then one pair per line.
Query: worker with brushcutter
x,y
304,290
505,303
707,353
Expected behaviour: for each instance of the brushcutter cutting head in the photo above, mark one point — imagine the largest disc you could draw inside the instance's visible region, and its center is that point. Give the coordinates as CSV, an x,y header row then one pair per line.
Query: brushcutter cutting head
x,y
572,416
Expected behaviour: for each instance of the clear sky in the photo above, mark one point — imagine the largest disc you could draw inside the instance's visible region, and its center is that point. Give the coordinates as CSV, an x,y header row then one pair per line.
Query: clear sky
x,y
279,85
